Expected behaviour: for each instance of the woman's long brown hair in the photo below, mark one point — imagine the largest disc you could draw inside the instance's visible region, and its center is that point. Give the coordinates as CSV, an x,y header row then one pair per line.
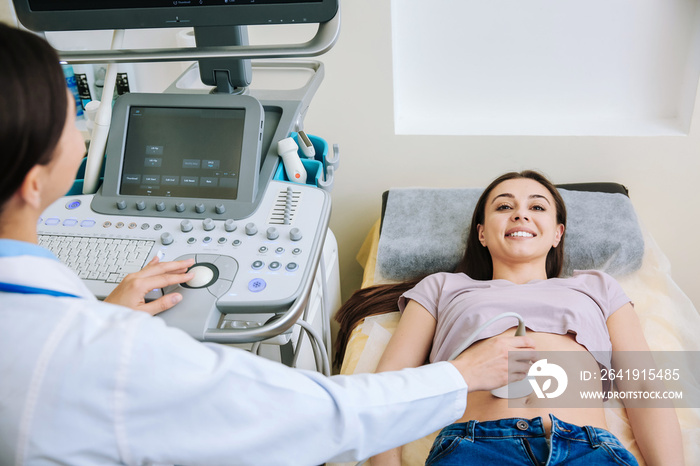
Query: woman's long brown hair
x,y
476,263
373,300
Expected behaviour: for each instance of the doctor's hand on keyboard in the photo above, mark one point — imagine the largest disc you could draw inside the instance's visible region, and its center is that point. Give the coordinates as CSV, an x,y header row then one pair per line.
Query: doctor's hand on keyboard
x,y
132,290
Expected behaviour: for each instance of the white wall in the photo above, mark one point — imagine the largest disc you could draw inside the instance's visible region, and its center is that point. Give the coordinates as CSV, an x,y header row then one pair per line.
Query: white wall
x,y
7,12
354,108
545,67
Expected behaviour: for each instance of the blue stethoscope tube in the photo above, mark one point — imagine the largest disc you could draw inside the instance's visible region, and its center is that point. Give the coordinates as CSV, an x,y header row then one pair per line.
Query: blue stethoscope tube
x,y
21,289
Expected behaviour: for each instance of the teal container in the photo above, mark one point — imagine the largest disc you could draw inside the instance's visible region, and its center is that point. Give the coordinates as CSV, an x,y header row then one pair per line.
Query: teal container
x,y
315,168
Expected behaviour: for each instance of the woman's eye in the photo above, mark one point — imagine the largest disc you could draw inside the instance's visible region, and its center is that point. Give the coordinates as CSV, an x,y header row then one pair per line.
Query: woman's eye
x,y
503,207
538,207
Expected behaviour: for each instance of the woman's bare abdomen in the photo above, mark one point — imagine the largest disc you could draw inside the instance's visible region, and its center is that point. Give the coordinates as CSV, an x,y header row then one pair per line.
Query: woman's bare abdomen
x,y
564,351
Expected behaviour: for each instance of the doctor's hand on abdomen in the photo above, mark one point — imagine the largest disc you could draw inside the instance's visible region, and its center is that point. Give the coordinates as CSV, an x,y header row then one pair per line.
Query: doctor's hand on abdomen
x,y
485,367
132,290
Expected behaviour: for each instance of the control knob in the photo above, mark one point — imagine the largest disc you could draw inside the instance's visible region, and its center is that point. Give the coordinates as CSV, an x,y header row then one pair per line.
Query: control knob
x,y
160,206
199,208
185,226
230,225
208,224
141,205
220,209
295,234
272,233
121,205
166,238
251,229
180,207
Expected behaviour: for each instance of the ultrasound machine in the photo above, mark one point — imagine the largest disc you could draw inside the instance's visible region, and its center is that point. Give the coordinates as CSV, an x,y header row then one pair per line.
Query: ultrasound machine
x,y
194,172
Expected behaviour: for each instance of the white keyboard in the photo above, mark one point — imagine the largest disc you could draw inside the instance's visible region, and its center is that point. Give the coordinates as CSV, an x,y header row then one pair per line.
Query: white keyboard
x,y
102,259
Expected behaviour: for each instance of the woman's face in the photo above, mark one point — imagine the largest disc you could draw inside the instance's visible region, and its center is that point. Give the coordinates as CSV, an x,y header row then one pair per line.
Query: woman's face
x,y
520,222
67,157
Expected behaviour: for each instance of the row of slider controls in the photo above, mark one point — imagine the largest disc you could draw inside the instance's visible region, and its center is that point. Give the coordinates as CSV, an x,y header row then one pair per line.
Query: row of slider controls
x,y
179,207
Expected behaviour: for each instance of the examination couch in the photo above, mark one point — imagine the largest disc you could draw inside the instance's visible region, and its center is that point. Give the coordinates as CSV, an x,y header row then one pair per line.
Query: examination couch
x,y
414,238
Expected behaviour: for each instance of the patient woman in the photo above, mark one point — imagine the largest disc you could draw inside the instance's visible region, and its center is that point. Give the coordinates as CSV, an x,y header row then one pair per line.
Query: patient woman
x,y
513,257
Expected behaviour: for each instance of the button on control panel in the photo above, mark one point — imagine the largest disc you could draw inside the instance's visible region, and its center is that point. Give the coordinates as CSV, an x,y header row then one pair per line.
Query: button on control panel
x,y
256,285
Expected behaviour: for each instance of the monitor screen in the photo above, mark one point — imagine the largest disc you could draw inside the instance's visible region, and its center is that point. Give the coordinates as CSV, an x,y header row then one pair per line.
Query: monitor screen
x,y
53,5
182,152
166,151
70,15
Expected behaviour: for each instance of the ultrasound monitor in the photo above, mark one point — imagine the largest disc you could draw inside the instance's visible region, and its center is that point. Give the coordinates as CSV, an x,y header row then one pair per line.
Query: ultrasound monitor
x,y
185,155
215,22
71,15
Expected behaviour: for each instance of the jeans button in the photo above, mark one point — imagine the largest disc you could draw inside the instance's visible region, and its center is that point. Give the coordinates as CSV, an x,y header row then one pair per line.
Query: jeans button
x,y
522,425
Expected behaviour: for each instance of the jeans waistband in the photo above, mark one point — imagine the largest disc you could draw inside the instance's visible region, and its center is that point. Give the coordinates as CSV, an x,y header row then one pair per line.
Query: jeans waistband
x,y
527,428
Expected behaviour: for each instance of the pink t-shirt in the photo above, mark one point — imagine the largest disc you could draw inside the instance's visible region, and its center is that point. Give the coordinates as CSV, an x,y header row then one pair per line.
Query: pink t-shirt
x,y
580,305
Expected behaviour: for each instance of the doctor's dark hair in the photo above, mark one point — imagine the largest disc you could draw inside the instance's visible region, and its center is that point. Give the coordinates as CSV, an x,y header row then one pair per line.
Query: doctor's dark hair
x,y
476,263
33,106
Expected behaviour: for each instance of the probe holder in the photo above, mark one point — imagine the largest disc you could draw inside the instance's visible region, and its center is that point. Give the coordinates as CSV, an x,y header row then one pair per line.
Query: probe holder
x,y
317,171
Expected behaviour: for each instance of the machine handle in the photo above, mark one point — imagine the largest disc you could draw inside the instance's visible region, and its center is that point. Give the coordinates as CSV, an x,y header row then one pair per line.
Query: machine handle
x,y
326,36
284,321
281,324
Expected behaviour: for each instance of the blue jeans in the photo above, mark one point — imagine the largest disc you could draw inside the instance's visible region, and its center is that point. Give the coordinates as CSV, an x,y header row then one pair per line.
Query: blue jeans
x,y
523,442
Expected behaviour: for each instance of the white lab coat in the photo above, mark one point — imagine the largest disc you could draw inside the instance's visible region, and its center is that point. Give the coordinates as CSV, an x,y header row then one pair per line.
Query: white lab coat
x,y
84,382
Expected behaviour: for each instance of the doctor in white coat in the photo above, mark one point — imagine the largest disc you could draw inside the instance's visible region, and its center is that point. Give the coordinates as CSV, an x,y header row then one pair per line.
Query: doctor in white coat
x,y
85,382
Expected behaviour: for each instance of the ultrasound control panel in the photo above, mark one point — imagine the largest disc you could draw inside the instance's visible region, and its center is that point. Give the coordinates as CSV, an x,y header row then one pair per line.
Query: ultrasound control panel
x,y
256,264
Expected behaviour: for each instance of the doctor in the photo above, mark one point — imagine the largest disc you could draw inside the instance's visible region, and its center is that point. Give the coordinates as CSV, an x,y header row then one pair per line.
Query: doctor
x,y
86,382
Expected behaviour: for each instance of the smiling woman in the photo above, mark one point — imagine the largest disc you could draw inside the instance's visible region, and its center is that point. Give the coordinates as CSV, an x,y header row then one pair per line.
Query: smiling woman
x,y
520,227
477,262
513,259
